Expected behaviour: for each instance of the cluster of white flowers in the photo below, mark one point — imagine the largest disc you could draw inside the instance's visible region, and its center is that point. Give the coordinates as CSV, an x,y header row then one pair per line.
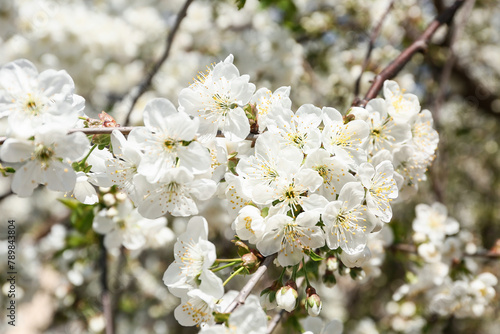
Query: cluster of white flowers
x,y
315,179
465,298
322,178
366,159
440,246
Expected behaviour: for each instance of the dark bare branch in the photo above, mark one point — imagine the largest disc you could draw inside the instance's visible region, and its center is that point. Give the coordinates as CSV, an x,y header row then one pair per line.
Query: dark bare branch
x,y
455,32
371,44
411,249
417,46
146,83
105,294
126,130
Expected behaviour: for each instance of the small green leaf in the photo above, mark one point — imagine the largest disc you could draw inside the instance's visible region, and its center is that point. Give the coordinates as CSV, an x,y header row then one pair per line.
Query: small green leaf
x,y
221,317
315,257
70,203
240,3
264,212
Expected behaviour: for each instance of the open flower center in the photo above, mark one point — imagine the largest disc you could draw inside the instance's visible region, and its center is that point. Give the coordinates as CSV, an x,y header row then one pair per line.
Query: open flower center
x,y
223,103
43,153
170,144
298,139
33,106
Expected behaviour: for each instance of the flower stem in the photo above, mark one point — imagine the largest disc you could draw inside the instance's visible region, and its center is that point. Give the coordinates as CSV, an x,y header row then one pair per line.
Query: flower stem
x,y
224,266
86,157
305,272
232,275
229,260
280,279
294,273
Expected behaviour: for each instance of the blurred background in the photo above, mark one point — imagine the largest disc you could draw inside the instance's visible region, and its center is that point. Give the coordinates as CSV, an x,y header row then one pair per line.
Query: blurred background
x,y
317,48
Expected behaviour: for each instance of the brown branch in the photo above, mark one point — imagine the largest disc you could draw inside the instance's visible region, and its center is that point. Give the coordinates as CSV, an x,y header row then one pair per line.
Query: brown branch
x,y
102,131
438,170
105,294
125,130
408,248
371,44
417,46
470,88
245,291
455,32
146,83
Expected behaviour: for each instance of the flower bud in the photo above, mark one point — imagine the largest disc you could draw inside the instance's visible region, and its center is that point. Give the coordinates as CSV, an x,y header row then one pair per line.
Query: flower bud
x,y
332,264
121,197
313,302
250,261
109,199
348,118
286,297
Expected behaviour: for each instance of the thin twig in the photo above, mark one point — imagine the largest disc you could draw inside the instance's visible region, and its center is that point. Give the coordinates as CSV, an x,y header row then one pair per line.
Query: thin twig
x,y
126,130
437,170
146,83
101,131
245,291
412,249
456,31
106,296
417,46
371,44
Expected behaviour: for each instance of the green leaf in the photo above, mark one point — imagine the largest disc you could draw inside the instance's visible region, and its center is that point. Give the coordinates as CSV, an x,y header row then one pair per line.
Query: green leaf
x,y
231,165
75,240
315,257
221,317
82,216
70,203
264,212
240,3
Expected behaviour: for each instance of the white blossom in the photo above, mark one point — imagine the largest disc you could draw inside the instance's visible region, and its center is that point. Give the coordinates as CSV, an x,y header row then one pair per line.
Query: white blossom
x,y
174,195
385,133
198,305
249,318
434,222
193,254
31,99
299,129
344,140
124,226
334,171
218,98
291,237
346,225
381,188
269,105
400,106
167,142
249,225
45,160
